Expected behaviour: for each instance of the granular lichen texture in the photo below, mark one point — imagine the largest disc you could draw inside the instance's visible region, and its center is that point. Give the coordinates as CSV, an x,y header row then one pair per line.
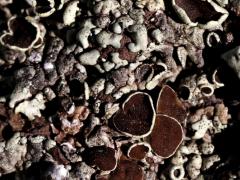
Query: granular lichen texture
x,y
119,89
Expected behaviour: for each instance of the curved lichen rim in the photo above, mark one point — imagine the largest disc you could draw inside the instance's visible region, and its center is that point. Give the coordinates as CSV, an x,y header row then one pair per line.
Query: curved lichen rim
x,y
181,172
153,118
209,25
41,36
136,144
150,76
48,13
62,2
29,20
180,142
212,34
207,86
182,14
214,79
157,77
213,24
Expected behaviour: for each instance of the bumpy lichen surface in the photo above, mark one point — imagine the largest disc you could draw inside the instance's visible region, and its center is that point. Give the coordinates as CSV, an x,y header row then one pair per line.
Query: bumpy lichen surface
x,y
119,89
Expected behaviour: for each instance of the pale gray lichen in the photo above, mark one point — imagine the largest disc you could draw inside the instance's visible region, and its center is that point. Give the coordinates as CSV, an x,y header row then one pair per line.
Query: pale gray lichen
x,y
84,33
109,88
31,108
117,61
106,6
20,93
37,139
49,144
70,12
105,39
59,172
207,148
178,159
151,5
158,35
108,66
100,138
98,86
12,154
111,109
199,87
140,37
89,58
49,93
222,3
122,23
85,172
137,15
209,161
201,127
182,55
194,166
191,148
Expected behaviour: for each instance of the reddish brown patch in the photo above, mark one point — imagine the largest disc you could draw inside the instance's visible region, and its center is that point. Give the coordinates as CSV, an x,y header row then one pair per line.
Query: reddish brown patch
x,y
166,136
105,97
124,53
101,177
16,122
127,170
198,11
153,20
38,127
100,156
235,8
60,137
138,152
169,104
41,131
81,113
105,53
2,126
58,156
3,111
136,117
148,16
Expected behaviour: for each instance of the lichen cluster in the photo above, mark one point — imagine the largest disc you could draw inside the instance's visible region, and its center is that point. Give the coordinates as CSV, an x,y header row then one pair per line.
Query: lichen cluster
x,y
116,89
